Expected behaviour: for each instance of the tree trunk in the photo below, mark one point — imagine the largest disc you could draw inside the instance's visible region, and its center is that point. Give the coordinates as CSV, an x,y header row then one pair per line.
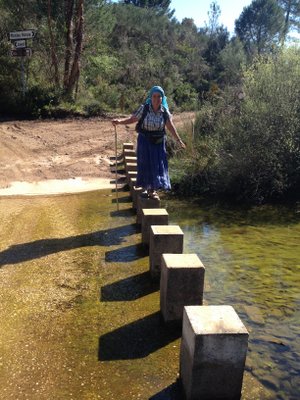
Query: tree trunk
x,y
69,9
54,58
74,37
78,35
286,23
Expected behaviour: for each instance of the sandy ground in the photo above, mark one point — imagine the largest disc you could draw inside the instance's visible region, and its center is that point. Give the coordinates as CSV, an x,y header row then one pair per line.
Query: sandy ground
x,y
35,151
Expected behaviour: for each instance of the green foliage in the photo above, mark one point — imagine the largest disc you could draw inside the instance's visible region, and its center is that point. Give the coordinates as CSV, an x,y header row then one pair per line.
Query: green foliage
x,y
62,110
217,38
185,96
213,15
249,145
160,6
291,10
260,25
9,80
231,60
37,99
93,109
127,49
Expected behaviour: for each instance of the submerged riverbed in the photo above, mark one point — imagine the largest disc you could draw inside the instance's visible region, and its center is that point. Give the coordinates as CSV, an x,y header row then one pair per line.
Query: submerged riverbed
x,y
252,260
79,314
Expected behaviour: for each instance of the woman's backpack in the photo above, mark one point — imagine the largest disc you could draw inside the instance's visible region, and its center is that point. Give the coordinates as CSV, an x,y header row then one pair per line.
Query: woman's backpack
x,y
154,137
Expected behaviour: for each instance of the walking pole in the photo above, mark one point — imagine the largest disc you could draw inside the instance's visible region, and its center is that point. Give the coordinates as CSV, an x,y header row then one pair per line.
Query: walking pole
x,y
116,167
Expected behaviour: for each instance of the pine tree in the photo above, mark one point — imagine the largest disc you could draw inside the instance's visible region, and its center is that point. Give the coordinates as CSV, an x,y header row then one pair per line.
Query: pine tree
x,y
291,10
162,7
260,25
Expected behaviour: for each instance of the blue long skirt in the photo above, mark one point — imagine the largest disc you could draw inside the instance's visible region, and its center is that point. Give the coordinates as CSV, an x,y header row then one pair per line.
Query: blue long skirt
x,y
152,164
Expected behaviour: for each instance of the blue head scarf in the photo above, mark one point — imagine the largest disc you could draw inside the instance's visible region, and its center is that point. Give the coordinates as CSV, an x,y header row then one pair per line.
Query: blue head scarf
x,y
160,90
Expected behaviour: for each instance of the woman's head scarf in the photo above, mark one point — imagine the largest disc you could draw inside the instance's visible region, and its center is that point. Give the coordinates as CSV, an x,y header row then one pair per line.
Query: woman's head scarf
x,y
160,90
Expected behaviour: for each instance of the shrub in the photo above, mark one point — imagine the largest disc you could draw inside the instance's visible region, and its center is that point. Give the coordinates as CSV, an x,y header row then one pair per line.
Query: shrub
x,y
250,144
61,110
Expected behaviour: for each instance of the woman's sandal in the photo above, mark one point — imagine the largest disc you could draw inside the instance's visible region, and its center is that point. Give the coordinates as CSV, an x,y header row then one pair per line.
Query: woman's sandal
x,y
144,194
153,195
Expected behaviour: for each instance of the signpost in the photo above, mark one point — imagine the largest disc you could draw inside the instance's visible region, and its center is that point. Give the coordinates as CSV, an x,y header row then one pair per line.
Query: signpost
x,y
20,49
21,52
16,35
20,44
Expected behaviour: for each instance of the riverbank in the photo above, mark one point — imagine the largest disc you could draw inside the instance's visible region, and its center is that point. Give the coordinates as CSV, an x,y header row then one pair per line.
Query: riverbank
x,y
43,150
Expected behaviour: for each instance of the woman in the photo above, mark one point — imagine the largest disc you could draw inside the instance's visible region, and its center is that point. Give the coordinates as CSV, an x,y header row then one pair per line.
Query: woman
x,y
152,166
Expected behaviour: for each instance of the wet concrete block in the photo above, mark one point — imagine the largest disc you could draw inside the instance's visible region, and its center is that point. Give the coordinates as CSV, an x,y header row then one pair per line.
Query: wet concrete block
x,y
163,239
129,153
131,171
131,167
213,353
145,202
131,175
135,192
127,146
132,184
181,284
131,181
152,216
130,159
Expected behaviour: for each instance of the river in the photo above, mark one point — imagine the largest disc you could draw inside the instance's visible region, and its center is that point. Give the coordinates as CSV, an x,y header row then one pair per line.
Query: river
x,y
80,316
252,259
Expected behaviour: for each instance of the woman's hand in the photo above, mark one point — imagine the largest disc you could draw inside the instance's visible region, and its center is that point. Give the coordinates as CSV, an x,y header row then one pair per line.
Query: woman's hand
x,y
174,133
115,122
181,144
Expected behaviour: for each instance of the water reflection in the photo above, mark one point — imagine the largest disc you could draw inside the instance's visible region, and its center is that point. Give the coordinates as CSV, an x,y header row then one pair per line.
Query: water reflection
x,y
252,260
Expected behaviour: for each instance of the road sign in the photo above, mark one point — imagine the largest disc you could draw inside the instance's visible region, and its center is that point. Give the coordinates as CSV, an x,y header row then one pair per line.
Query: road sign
x,y
22,52
16,35
20,44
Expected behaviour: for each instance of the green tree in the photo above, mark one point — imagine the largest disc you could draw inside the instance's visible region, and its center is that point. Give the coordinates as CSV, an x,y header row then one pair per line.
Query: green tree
x,y
57,22
291,10
213,17
125,49
216,38
232,58
260,25
249,146
162,7
188,54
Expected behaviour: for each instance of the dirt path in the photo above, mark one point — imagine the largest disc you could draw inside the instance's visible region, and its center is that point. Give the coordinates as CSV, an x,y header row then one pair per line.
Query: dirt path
x,y
40,150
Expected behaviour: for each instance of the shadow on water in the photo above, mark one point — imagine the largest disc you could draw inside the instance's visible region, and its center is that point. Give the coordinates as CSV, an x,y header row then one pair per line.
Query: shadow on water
x,y
121,189
40,248
131,288
126,254
121,170
125,199
128,212
119,158
119,181
137,339
172,392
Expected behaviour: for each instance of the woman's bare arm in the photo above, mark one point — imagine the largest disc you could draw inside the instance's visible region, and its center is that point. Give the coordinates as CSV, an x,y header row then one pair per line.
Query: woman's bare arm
x,y
174,133
124,121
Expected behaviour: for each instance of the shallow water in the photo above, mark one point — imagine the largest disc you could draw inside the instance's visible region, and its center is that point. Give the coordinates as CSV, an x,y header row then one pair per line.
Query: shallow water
x,y
79,314
55,186
252,260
